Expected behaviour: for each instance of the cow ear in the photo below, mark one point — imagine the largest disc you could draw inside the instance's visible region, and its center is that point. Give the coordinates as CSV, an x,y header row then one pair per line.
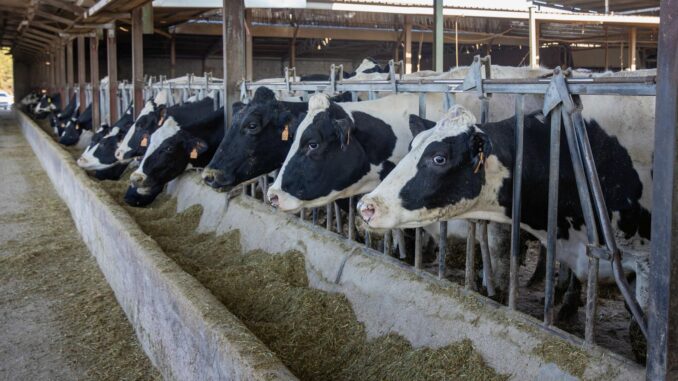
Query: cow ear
x,y
162,114
344,129
419,125
480,148
196,146
236,107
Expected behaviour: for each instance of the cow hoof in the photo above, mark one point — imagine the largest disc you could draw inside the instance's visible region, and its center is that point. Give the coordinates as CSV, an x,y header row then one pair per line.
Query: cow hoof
x,y
638,342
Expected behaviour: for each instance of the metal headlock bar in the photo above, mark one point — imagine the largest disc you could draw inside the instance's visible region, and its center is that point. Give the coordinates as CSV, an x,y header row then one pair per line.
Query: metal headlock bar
x,y
561,100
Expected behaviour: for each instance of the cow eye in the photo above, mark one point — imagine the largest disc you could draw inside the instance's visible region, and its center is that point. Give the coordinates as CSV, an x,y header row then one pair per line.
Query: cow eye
x,y
252,126
313,146
439,160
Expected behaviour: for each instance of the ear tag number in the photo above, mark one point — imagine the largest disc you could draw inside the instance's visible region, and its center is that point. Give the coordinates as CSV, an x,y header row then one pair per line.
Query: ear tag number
x,y
144,142
286,133
194,154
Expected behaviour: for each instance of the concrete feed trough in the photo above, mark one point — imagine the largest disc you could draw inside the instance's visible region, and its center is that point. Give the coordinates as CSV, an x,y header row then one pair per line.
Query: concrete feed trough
x,y
188,334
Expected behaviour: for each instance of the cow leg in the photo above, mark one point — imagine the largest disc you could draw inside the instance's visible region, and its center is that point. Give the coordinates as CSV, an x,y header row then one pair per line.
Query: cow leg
x,y
540,271
571,299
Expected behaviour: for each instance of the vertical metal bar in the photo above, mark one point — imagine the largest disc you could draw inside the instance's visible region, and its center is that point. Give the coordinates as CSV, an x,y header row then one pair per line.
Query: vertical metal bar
x,y
302,214
662,342
351,219
534,40
94,80
368,238
337,217
400,237
315,216
487,263
438,36
442,250
69,69
264,187
253,189
82,72
469,282
387,243
517,202
552,221
328,216
137,60
354,96
417,249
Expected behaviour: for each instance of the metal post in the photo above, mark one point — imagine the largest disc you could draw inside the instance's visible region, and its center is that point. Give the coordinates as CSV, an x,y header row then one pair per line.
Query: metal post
x,y
487,263
387,243
534,40
632,48
662,354
456,42
137,60
517,203
173,57
337,217
417,249
438,36
442,250
249,69
351,219
94,80
233,32
328,216
69,68
469,281
607,48
82,71
552,221
407,52
112,58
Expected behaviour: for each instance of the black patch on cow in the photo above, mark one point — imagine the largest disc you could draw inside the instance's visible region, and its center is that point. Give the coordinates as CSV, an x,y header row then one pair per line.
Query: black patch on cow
x,y
75,126
113,172
105,150
386,168
336,152
134,198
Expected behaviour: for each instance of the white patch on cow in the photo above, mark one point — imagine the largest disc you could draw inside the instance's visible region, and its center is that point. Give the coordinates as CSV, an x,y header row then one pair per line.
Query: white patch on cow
x,y
394,110
168,129
124,145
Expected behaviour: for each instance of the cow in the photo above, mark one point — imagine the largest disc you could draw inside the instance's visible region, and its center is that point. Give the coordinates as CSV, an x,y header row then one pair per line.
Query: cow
x,y
99,156
458,169
173,147
260,136
152,116
59,118
46,105
80,122
29,101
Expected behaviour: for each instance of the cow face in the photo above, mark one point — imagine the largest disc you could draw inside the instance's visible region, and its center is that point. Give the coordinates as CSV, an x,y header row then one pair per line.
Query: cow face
x,y
134,198
46,104
137,138
71,132
257,142
100,154
328,160
168,155
450,172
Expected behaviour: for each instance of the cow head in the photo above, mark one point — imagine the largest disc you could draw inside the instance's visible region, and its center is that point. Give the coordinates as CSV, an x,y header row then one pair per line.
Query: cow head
x,y
328,160
46,105
75,126
100,154
450,172
168,155
260,136
137,138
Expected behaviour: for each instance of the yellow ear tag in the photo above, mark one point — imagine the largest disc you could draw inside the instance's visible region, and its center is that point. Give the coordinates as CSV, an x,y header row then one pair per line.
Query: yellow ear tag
x,y
144,142
194,154
286,133
162,120
480,162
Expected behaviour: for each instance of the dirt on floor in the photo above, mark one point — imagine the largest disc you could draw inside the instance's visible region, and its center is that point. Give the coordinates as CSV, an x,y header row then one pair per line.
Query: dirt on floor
x,y
59,317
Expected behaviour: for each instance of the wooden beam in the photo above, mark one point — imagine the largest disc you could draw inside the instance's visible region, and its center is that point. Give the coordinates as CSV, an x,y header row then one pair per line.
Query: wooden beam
x,y
44,26
147,18
69,68
633,39
662,341
95,81
233,24
76,10
173,57
249,45
52,17
407,52
62,74
112,58
456,43
137,60
82,72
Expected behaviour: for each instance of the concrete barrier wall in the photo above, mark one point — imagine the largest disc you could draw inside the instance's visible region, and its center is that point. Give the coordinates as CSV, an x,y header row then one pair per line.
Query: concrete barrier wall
x,y
187,333
389,296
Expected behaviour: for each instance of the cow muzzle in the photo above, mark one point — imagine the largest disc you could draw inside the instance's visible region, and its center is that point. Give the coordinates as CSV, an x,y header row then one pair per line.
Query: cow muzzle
x,y
216,179
137,179
119,155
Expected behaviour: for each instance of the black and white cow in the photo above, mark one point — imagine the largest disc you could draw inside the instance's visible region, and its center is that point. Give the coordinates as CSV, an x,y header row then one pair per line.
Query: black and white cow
x,y
99,156
152,116
173,147
76,126
59,118
29,101
46,105
459,169
260,136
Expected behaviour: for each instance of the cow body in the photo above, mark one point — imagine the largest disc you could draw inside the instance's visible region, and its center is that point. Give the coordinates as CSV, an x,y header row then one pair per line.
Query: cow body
x,y
59,118
444,176
100,154
74,131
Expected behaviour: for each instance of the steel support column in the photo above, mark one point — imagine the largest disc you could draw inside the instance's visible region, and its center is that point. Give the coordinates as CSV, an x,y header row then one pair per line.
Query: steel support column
x,y
94,80
438,35
112,58
138,59
69,68
82,72
662,343
534,40
407,52
173,57
233,33
633,33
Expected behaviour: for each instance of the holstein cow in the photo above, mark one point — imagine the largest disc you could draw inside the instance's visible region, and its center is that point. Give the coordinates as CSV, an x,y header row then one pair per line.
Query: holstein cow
x,y
29,101
73,132
100,154
152,116
46,105
260,136
458,169
173,147
59,118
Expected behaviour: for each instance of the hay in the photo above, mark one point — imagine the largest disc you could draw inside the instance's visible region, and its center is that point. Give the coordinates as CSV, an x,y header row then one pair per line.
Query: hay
x,y
315,333
568,357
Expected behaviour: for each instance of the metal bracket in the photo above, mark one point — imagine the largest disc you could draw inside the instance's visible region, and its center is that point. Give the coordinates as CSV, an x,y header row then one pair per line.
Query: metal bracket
x,y
599,252
558,93
474,77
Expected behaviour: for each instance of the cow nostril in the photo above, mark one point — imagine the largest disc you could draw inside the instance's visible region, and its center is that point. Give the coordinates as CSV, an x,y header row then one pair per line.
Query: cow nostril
x,y
274,200
208,178
367,212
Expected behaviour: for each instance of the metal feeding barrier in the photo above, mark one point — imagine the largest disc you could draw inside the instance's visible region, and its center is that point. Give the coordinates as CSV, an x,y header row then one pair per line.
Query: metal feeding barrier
x,y
561,100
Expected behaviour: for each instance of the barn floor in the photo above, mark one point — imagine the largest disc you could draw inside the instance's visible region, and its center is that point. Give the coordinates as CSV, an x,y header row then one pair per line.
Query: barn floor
x,y
59,318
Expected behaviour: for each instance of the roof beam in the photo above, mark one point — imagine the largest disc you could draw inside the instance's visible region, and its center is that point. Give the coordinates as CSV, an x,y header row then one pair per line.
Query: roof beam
x,y
52,17
76,10
45,26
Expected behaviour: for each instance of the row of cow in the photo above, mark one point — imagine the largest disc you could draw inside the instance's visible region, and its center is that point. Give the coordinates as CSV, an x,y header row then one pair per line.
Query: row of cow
x,y
411,170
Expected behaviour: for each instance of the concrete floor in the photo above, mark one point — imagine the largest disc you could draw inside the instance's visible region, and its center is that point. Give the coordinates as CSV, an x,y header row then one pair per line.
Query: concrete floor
x,y
58,318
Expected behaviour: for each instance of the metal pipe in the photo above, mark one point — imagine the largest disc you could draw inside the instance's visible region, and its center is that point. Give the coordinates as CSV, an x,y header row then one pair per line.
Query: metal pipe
x,y
351,219
487,263
387,243
315,216
417,249
517,202
469,282
337,217
442,250
328,216
400,237
552,221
